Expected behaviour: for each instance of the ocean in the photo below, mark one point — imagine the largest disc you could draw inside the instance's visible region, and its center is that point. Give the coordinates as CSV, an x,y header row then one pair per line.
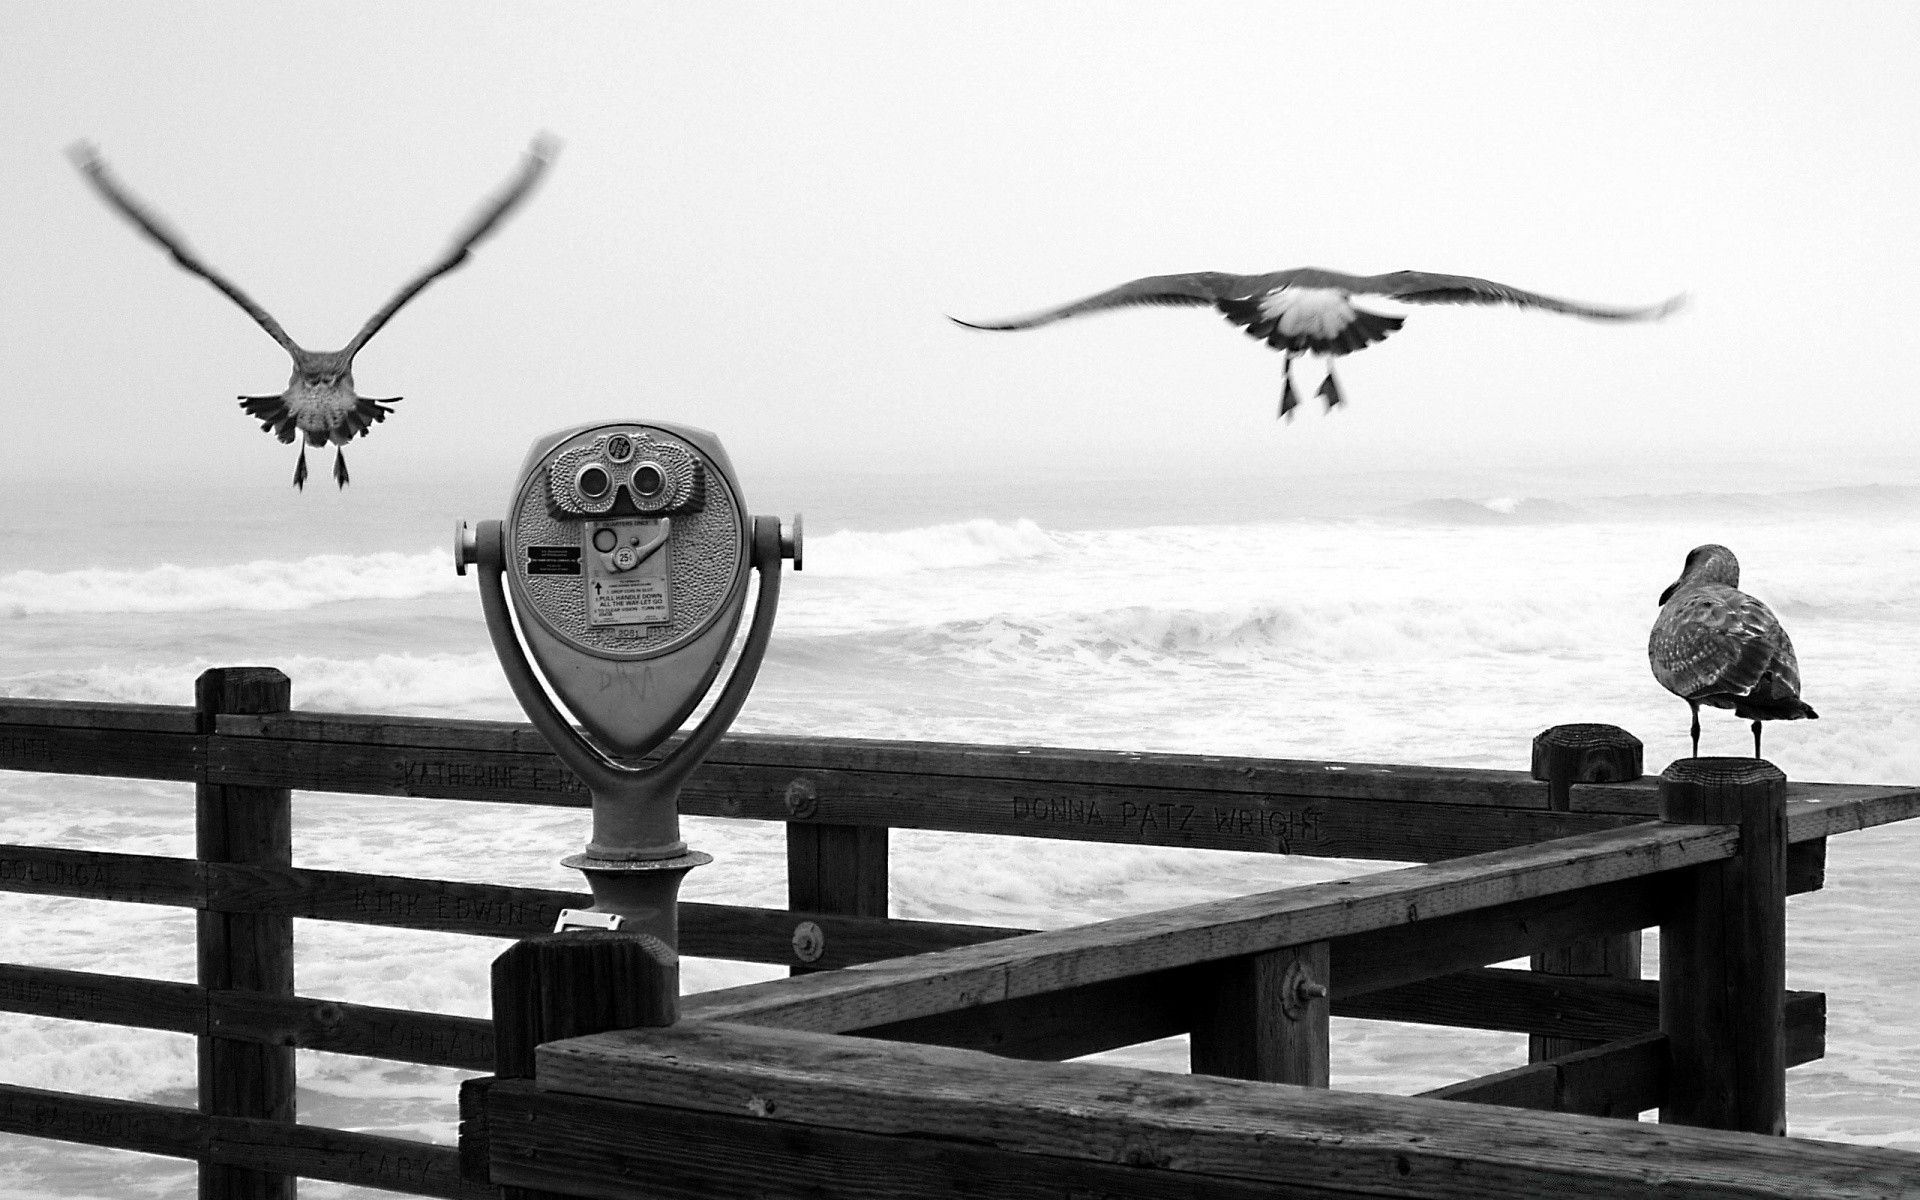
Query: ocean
x,y
1440,617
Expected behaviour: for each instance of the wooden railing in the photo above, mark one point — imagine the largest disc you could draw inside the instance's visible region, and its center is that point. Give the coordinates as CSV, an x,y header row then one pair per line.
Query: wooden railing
x,y
1520,866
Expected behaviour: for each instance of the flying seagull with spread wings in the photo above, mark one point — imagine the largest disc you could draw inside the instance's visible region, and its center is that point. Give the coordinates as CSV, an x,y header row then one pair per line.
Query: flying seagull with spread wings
x,y
319,404
1713,644
1311,311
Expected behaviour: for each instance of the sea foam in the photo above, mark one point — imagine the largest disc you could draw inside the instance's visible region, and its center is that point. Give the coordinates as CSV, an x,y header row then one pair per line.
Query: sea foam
x,y
264,585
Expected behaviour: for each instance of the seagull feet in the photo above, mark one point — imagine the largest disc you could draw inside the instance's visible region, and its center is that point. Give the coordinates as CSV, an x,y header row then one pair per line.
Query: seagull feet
x,y
1289,400
300,471
339,468
1330,390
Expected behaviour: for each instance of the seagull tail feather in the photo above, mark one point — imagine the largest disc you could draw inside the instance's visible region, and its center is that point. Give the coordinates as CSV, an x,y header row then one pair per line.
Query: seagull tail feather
x,y
273,414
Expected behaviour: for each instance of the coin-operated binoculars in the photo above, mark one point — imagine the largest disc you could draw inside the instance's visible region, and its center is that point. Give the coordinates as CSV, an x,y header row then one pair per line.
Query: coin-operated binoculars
x,y
627,553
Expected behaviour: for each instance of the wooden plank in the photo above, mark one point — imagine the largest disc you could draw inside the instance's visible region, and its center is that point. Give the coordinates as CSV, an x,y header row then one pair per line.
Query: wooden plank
x,y
1617,1079
381,729
97,1121
439,905
1064,1024
364,1159
1332,780
1272,1134
396,1034
248,951
496,910
567,1146
334,1025
430,772
1077,810
106,999
1723,952
768,935
901,989
121,753
269,1147
1406,954
89,714
1189,817
1821,810
98,875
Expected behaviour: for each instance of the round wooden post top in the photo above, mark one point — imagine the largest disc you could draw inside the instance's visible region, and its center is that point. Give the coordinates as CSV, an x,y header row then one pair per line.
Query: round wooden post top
x,y
1721,772
1587,753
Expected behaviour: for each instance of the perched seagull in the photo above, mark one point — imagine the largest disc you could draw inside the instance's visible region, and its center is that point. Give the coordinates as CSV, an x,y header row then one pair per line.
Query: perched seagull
x,y
319,403
1714,644
1310,311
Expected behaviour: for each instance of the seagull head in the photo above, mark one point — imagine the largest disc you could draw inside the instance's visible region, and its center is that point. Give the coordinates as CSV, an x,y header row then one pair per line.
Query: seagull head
x,y
1706,564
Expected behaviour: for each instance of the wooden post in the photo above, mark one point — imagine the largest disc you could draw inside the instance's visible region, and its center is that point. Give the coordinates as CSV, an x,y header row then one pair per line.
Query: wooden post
x,y
562,985
1264,1016
1723,952
244,951
1563,756
838,869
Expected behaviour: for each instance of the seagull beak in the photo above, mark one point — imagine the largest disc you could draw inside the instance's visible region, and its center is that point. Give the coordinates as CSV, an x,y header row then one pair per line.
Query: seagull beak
x,y
1666,595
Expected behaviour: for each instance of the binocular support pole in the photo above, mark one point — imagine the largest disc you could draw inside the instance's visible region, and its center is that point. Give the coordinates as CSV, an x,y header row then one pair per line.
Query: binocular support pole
x,y
636,860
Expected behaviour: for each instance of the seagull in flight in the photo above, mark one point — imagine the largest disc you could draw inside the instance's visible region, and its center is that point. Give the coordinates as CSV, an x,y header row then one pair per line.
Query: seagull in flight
x,y
320,404
1310,311
1713,644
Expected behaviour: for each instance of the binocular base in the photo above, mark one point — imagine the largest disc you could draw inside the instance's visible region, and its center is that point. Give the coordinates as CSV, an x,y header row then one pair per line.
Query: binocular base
x,y
643,893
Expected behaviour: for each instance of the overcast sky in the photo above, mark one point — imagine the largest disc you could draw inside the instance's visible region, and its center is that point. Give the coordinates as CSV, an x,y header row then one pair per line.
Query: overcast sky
x,y
762,212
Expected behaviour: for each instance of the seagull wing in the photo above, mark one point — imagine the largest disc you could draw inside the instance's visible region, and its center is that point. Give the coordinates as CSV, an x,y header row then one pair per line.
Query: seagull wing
x,y
496,209
87,158
1193,289
1425,287
1718,641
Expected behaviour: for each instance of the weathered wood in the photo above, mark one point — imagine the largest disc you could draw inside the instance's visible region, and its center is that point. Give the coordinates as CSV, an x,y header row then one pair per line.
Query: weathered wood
x,y
364,1159
1332,780
595,1148
397,1034
1723,964
81,750
1263,1016
107,999
1063,1024
562,985
1328,1143
90,714
244,951
1405,830
98,875
440,905
1563,756
260,1147
96,1121
1616,1079
838,869
906,988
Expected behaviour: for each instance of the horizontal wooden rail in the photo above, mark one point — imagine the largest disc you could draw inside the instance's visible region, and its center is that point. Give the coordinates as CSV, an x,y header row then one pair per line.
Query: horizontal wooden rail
x,y
713,1109
1360,810
335,1025
1627,1075
1621,1078
337,1155
1385,903
728,931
